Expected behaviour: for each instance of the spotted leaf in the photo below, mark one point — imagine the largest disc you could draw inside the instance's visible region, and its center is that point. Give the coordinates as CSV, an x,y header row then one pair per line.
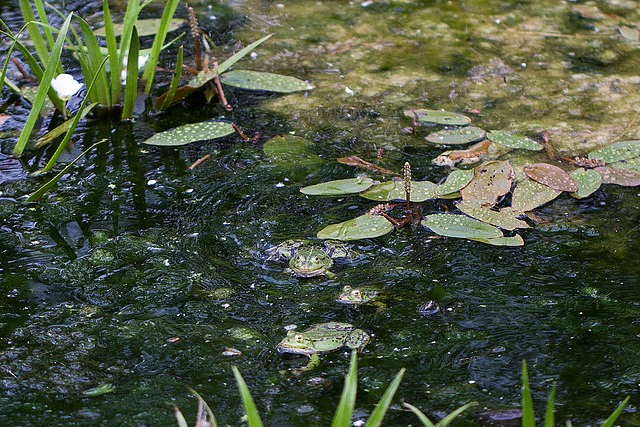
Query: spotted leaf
x,y
191,133
504,218
513,141
254,80
588,181
623,177
438,116
338,187
490,181
291,149
458,136
456,181
460,226
617,151
362,227
530,194
394,190
551,176
514,240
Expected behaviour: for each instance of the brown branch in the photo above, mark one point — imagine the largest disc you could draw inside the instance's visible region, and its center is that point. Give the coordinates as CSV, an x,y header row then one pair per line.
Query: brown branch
x,y
218,86
200,160
239,132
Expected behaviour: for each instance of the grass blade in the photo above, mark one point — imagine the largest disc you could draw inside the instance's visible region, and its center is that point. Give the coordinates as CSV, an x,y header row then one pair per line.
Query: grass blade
x,y
35,196
549,420
528,416
112,47
34,32
174,81
131,86
101,88
344,412
383,405
158,41
249,405
614,416
43,19
421,416
130,18
72,128
48,137
240,54
8,56
447,420
45,84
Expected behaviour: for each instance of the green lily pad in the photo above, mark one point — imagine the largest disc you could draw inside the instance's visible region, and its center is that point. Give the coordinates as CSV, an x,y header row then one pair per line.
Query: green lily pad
x,y
463,135
530,194
622,177
254,80
394,190
290,149
491,180
588,181
460,226
504,218
440,117
456,181
617,151
338,187
513,141
191,133
145,27
551,176
362,227
632,165
515,240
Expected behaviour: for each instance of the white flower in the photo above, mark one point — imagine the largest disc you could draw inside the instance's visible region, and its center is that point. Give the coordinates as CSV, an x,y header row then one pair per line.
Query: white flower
x,y
65,86
142,61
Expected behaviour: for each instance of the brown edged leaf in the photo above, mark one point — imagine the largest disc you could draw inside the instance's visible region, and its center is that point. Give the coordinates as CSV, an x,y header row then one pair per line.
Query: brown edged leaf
x,y
359,163
551,176
506,217
490,181
623,177
181,93
530,194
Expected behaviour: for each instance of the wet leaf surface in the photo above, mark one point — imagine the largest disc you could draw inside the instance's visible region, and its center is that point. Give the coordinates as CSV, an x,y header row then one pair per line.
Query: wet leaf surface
x,y
145,27
338,187
191,133
456,181
460,226
394,190
362,227
551,176
504,218
629,164
490,181
290,149
513,141
622,177
463,135
530,194
515,240
438,116
359,163
588,181
254,80
617,151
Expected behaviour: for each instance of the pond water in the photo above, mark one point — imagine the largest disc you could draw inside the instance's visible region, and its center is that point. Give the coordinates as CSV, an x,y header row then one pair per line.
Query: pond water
x,y
138,272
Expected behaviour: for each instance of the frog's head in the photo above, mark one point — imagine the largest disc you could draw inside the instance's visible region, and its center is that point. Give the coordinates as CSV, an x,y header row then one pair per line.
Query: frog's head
x,y
351,295
310,262
296,343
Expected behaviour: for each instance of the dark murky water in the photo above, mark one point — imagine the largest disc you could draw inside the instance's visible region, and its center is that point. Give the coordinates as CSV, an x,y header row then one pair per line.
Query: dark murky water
x,y
138,272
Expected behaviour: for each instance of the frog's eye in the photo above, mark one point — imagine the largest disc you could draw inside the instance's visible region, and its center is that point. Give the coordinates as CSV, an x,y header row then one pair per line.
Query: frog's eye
x,y
316,259
298,337
356,293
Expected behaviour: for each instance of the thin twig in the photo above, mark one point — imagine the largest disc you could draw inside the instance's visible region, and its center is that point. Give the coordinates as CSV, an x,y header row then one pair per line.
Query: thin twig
x,y
218,86
200,160
239,132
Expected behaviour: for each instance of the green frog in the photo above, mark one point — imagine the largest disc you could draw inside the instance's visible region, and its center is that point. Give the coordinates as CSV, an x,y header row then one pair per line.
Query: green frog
x,y
323,338
307,259
357,296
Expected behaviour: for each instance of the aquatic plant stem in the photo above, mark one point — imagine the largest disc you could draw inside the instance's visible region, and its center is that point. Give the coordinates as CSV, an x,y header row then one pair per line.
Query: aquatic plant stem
x,y
219,91
239,132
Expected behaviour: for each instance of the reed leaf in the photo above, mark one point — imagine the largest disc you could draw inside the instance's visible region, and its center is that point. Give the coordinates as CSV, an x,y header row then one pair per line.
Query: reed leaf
x,y
45,84
549,420
375,420
528,416
201,401
35,196
449,418
175,81
158,41
344,412
131,86
44,20
95,60
253,418
8,56
48,137
52,161
112,47
614,416
240,54
426,422
130,18
34,32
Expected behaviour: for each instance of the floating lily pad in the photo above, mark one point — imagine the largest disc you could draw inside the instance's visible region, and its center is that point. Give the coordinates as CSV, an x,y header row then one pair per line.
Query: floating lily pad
x,y
456,181
438,116
530,194
394,190
628,164
145,27
338,187
588,181
254,80
513,141
617,151
290,149
191,133
551,176
504,218
515,240
362,227
460,226
491,180
623,177
457,136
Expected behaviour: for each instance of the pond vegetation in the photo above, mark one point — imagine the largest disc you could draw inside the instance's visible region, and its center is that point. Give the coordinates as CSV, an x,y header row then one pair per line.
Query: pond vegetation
x,y
148,243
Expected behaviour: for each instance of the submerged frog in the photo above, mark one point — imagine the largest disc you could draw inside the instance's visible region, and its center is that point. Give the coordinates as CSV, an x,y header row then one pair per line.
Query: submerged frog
x,y
357,296
307,259
323,338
